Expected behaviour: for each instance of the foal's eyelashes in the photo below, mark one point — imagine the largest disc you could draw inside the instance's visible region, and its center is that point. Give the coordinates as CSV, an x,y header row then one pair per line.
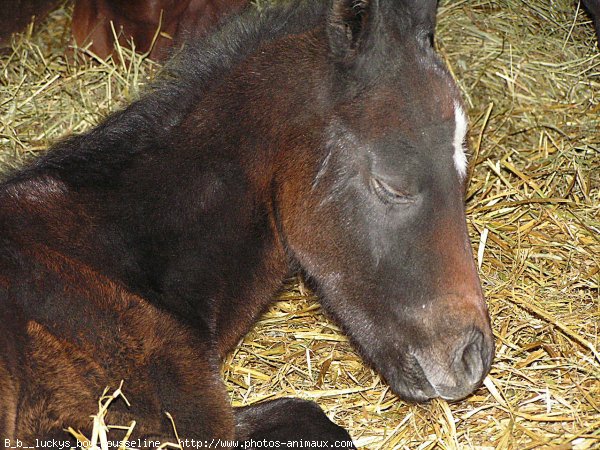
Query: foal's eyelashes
x,y
388,194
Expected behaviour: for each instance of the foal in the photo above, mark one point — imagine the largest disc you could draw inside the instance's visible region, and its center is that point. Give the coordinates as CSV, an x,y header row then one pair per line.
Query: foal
x,y
326,138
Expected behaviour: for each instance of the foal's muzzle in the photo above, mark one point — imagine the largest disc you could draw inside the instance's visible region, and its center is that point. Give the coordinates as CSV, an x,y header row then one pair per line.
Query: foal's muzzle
x,y
462,371
450,350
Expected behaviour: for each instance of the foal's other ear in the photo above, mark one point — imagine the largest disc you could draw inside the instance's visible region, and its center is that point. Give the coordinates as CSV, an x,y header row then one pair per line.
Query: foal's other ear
x,y
423,14
348,28
422,11
355,26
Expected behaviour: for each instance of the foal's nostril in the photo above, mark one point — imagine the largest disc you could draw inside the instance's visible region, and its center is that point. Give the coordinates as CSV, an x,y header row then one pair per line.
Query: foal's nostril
x,y
458,372
472,361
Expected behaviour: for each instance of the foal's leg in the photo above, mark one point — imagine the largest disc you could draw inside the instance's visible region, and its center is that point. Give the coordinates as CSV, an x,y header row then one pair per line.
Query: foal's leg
x,y
287,420
64,381
90,333
593,6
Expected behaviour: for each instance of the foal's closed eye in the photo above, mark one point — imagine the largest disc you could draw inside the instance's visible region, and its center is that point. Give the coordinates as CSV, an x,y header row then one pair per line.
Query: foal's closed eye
x,y
388,194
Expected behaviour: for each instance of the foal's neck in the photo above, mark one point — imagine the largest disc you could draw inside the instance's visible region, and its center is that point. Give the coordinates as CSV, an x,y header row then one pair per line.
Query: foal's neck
x,y
198,241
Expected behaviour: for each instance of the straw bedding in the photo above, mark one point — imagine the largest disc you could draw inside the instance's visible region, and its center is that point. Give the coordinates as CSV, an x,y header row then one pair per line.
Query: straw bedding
x,y
530,74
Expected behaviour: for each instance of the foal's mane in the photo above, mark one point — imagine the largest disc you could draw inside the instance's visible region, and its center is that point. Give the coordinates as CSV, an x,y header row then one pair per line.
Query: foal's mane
x,y
97,156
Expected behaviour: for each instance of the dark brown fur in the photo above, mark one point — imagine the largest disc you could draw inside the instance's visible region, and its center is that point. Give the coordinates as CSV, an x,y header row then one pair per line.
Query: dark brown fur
x,y
593,7
15,15
62,357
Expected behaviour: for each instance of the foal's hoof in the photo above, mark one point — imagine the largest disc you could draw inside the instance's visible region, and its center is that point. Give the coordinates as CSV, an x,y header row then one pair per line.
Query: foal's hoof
x,y
292,422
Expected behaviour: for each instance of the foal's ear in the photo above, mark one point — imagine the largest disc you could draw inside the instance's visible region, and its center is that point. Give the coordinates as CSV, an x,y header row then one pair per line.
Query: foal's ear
x,y
348,27
423,10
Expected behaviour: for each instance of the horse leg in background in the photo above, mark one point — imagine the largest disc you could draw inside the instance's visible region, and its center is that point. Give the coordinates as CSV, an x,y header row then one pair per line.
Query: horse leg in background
x,y
593,7
139,20
286,420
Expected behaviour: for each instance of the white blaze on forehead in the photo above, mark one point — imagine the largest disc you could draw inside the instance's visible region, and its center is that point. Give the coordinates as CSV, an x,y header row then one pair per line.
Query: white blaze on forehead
x,y
460,133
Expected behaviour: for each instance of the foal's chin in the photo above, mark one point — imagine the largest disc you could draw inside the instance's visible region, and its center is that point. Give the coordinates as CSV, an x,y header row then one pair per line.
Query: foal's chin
x,y
426,392
420,389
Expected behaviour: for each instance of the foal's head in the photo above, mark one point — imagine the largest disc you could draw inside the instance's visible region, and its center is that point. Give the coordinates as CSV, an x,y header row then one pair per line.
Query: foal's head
x,y
379,224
